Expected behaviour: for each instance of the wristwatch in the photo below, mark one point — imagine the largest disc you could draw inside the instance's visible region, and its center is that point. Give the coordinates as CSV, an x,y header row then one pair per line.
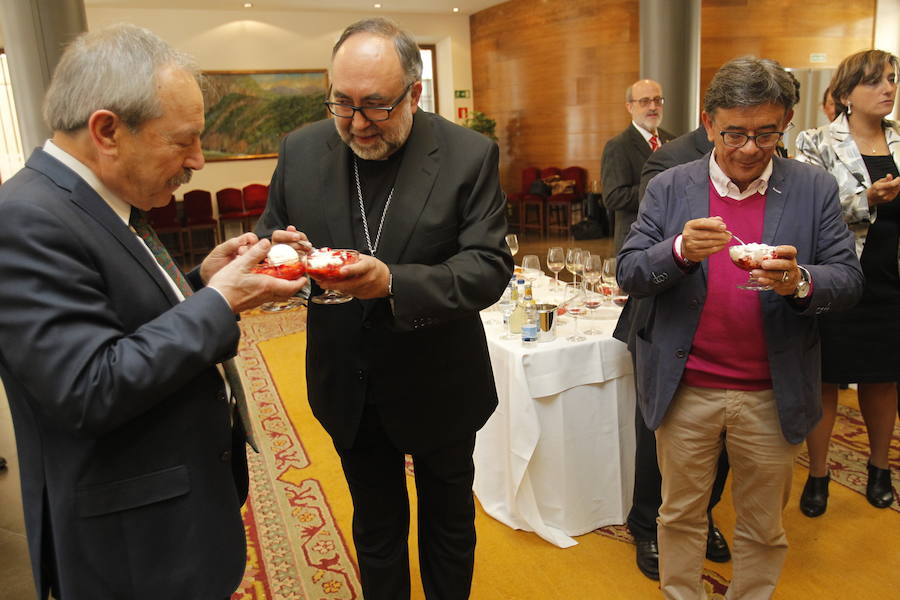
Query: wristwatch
x,y
803,284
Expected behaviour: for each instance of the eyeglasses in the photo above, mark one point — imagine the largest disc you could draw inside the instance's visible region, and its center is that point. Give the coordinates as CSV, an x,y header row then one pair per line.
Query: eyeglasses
x,y
370,113
763,141
644,102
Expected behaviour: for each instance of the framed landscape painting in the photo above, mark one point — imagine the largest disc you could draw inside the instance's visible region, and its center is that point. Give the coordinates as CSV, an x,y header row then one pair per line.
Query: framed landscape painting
x,y
248,112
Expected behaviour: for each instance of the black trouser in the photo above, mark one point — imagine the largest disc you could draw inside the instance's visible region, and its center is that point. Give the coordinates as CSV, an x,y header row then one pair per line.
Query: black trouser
x,y
375,471
647,481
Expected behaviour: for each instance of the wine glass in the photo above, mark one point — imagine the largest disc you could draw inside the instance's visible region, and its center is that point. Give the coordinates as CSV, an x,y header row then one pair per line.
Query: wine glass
x,y
608,278
324,264
592,269
573,262
512,240
592,301
556,262
531,267
574,304
749,257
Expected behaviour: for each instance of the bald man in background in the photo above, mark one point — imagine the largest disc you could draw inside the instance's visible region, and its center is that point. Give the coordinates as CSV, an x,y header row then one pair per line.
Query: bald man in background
x,y
625,154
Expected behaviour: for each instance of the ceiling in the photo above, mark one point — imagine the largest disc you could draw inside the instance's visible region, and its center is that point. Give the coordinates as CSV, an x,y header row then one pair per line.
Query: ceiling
x,y
466,7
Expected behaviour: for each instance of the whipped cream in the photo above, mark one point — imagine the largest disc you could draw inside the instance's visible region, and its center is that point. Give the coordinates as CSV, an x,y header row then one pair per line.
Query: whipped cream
x,y
324,257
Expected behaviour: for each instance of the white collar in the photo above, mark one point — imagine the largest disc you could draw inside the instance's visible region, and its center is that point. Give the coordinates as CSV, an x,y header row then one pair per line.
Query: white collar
x,y
727,188
119,206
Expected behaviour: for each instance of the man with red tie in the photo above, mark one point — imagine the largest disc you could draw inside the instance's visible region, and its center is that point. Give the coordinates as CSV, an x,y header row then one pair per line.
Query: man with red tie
x,y
624,155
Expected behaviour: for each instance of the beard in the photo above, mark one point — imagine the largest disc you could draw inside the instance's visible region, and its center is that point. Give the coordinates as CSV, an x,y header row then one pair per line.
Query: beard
x,y
180,179
388,142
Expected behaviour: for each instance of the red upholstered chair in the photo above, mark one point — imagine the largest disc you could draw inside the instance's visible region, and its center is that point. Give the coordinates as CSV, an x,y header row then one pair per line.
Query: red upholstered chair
x,y
198,217
231,209
537,204
561,208
255,197
516,200
167,225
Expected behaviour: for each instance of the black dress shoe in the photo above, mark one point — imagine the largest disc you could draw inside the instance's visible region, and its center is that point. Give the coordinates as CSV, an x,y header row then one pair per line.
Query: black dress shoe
x,y
716,546
878,488
814,499
648,558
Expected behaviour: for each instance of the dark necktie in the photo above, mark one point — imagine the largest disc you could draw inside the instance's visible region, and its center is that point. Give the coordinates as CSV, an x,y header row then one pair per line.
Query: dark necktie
x,y
143,230
654,143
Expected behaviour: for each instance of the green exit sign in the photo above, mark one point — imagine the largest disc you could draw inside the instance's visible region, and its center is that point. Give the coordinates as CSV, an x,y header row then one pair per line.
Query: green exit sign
x,y
461,93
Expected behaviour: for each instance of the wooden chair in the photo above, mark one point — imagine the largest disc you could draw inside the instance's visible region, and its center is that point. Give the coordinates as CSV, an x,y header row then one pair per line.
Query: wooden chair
x,y
166,223
561,208
538,204
255,197
198,216
230,202
516,200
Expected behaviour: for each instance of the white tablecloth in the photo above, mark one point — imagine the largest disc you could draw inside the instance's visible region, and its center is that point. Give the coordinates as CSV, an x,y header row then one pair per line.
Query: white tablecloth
x,y
557,457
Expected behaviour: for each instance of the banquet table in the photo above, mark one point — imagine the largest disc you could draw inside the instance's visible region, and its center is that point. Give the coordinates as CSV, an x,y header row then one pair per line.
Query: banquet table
x,y
557,456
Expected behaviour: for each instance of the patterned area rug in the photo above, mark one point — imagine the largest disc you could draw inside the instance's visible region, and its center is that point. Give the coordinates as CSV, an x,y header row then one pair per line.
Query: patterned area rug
x,y
294,549
848,457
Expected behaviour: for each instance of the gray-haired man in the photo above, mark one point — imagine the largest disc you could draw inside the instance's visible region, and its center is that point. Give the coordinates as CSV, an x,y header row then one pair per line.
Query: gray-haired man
x,y
132,459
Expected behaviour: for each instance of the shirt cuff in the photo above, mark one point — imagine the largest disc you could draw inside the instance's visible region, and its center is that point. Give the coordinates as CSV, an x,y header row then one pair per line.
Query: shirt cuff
x,y
683,263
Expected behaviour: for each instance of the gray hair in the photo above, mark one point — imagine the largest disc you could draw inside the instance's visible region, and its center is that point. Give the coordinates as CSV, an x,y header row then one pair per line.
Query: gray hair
x,y
113,69
750,81
407,49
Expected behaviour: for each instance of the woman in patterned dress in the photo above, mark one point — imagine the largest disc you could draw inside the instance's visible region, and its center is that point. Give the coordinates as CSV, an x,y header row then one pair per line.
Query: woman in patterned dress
x,y
862,345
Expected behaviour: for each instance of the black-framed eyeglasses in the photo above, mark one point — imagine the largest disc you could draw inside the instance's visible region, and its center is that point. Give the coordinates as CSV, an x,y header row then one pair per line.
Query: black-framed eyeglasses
x,y
645,102
370,113
763,141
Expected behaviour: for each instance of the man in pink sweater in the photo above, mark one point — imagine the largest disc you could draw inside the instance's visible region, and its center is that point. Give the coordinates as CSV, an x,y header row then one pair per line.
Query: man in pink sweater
x,y
721,364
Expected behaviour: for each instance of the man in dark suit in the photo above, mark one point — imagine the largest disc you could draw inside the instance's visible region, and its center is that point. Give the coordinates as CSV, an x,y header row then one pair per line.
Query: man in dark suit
x,y
132,472
404,368
647,496
625,154
721,365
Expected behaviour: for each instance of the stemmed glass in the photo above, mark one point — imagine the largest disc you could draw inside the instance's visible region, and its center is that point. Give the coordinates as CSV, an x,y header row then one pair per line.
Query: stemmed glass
x,y
593,271
531,267
573,262
324,264
512,240
574,303
608,278
556,262
749,257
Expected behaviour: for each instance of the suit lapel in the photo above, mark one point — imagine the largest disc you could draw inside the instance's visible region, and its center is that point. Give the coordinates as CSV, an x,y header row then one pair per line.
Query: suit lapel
x,y
776,193
334,170
698,200
86,198
413,187
640,144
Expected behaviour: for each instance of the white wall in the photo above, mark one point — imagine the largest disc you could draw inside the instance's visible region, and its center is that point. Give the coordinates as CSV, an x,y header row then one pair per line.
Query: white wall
x,y
244,40
887,32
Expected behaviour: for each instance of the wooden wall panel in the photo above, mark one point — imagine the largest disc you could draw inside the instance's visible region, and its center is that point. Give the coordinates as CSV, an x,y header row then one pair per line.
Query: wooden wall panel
x,y
785,30
553,73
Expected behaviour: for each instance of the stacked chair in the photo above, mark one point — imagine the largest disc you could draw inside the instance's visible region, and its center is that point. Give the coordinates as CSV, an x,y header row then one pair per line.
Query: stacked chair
x,y
198,217
561,208
516,200
166,223
255,197
231,209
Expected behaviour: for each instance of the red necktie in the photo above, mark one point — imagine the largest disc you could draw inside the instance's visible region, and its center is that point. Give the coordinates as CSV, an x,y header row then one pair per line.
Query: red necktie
x,y
654,143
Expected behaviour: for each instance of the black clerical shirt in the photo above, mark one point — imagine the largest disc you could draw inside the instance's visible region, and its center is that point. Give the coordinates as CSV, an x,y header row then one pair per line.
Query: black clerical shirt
x,y
376,178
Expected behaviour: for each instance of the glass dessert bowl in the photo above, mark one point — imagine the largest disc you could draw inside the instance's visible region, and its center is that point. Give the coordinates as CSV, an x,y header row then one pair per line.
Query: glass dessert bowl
x,y
748,257
324,264
283,262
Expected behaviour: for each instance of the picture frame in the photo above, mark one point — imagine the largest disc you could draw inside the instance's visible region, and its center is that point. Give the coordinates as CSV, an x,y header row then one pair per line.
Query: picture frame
x,y
249,112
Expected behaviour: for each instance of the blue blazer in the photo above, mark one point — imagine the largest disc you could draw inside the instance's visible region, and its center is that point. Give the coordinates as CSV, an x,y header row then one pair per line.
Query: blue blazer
x,y
802,210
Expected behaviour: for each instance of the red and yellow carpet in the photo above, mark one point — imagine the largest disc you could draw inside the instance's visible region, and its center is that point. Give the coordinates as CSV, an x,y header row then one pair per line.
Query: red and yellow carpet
x,y
299,513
